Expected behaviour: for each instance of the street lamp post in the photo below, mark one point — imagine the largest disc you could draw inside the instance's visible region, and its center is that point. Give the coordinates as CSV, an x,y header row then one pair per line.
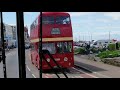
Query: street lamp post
x,y
109,35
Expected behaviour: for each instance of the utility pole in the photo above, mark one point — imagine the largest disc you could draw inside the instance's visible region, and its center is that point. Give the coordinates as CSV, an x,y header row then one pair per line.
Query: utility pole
x,y
79,38
109,35
88,37
91,36
83,37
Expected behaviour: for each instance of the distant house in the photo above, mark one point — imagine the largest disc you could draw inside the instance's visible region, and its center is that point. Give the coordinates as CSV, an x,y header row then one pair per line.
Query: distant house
x,y
26,36
102,42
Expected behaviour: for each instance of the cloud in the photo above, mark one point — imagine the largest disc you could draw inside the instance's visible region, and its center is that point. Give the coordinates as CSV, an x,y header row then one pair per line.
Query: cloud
x,y
12,24
28,13
98,33
76,25
113,15
108,27
103,20
105,33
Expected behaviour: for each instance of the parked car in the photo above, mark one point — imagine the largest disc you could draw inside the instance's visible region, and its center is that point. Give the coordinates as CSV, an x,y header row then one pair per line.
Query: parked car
x,y
27,46
75,47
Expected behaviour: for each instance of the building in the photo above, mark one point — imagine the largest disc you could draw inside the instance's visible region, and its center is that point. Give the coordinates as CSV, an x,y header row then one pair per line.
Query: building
x,y
8,32
14,31
26,36
8,35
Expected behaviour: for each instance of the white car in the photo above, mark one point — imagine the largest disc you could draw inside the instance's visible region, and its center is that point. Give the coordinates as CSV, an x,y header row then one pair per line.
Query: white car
x,y
27,46
92,45
75,47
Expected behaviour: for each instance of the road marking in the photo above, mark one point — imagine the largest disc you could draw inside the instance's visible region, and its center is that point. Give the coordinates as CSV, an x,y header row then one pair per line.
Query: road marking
x,y
28,68
46,77
77,77
33,75
73,76
30,71
96,72
9,53
86,73
80,77
49,75
101,75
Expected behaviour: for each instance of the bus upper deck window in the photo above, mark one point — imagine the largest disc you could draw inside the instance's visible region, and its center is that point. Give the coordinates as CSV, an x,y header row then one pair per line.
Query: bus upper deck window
x,y
63,20
48,20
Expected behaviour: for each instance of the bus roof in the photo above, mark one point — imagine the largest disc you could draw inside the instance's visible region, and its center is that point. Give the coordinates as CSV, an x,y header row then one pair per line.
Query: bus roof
x,y
46,13
55,13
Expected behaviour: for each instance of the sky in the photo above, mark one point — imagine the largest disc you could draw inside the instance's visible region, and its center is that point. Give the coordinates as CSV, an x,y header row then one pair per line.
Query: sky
x,y
85,25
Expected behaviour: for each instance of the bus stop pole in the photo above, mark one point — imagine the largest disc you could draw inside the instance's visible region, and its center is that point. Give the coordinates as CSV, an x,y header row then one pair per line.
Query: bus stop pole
x,y
40,45
21,44
3,46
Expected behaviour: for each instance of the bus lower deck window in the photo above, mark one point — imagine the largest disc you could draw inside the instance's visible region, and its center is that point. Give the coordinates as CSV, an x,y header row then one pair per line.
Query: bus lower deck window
x,y
64,47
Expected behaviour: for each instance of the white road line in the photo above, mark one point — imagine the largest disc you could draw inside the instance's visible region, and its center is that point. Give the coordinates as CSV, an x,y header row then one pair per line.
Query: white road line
x,y
8,54
33,75
30,71
77,77
69,76
102,75
80,77
28,68
46,76
97,73
86,73
72,77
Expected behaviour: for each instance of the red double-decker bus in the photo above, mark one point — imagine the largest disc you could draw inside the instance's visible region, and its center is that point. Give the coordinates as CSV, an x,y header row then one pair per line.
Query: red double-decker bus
x,y
57,38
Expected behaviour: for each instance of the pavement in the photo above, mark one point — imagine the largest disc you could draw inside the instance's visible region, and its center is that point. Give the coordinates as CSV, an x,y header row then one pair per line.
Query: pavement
x,y
103,70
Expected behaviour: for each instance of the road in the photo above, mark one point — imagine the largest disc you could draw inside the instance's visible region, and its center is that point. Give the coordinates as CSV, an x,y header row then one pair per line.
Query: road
x,y
71,72
99,70
12,66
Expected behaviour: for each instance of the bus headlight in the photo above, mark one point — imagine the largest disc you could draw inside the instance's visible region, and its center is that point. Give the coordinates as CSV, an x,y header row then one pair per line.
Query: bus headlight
x,y
48,59
65,59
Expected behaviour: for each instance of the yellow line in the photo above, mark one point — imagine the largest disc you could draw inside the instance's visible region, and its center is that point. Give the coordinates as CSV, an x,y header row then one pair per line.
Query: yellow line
x,y
53,39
